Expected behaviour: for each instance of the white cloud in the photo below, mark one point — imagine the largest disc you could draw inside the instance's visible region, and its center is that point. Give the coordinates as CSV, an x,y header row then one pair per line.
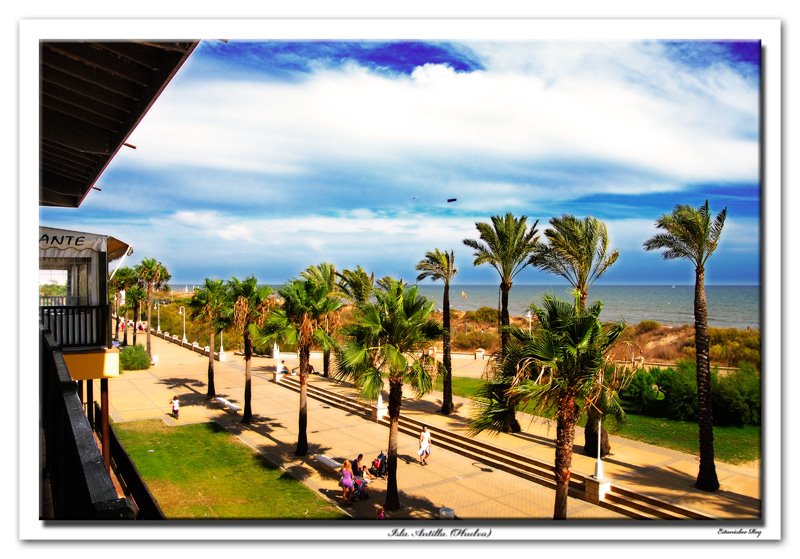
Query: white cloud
x,y
618,105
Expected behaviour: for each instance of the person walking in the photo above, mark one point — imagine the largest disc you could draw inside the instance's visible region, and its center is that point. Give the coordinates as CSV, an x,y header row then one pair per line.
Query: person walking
x,y
176,407
346,481
424,445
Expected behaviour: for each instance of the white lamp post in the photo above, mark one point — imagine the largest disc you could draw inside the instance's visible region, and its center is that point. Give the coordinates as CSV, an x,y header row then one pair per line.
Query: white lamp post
x,y
529,316
182,312
598,469
158,312
221,347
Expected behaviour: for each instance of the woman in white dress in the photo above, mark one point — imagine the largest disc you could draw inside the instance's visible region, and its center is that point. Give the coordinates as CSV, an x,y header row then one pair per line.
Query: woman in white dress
x,y
424,445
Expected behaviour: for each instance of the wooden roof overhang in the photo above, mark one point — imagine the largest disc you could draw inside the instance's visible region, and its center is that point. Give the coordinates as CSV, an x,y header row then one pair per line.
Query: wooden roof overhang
x,y
91,97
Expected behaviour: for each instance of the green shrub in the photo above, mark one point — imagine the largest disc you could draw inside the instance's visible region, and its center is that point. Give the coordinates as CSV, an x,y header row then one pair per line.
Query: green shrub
x,y
487,315
679,387
133,358
475,339
647,326
640,395
736,397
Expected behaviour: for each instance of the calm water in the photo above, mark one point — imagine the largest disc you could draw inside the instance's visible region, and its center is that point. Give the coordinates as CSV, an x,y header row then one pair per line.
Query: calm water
x,y
729,306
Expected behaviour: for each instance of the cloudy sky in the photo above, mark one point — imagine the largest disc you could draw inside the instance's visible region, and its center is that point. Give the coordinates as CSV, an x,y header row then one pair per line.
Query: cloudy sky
x,y
267,157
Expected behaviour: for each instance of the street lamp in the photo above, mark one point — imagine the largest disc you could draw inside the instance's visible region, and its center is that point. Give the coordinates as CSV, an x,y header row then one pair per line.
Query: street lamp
x,y
221,347
158,311
598,468
529,316
182,312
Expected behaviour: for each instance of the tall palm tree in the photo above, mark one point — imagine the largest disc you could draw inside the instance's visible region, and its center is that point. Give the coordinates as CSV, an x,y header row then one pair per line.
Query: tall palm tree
x,y
577,250
555,367
439,265
356,285
325,274
506,245
208,303
135,296
301,321
389,337
154,276
123,278
691,234
250,303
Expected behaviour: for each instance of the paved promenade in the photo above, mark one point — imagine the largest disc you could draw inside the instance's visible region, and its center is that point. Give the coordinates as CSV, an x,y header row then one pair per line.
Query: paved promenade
x,y
472,489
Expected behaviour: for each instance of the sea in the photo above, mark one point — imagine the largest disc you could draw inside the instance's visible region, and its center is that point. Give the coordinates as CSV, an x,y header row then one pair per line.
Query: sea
x,y
729,306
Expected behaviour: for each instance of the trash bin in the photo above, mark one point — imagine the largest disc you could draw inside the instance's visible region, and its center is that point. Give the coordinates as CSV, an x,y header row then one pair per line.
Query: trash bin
x,y
446,513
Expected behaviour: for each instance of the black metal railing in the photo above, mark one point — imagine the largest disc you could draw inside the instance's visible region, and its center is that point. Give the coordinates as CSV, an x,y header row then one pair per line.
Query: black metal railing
x,y
128,475
81,485
76,326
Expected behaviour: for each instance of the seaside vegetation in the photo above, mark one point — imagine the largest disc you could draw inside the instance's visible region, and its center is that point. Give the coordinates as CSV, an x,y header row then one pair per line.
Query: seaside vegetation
x,y
133,358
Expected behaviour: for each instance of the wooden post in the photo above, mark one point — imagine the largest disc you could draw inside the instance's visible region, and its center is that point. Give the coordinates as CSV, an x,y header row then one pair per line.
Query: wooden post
x,y
90,401
104,423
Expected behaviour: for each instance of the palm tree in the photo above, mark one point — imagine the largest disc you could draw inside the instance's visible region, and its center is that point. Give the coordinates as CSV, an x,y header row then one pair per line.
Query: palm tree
x,y
356,285
301,321
250,303
122,279
154,276
556,367
209,304
506,245
390,336
325,274
691,234
577,250
134,297
439,265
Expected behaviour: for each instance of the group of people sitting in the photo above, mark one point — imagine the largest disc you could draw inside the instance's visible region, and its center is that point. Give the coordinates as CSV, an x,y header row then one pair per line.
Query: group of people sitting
x,y
355,476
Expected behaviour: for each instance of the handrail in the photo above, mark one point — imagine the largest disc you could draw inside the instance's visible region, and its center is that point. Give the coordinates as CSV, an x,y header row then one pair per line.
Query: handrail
x,y
81,485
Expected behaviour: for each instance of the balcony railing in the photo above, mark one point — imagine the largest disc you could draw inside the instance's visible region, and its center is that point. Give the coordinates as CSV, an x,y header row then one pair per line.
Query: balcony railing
x,y
77,326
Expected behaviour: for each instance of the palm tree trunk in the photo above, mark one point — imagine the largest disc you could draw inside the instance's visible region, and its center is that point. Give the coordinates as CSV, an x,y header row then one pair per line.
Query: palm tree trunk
x,y
212,393
565,437
395,401
512,425
302,422
125,331
447,381
504,317
326,362
135,323
707,474
149,314
247,415
590,435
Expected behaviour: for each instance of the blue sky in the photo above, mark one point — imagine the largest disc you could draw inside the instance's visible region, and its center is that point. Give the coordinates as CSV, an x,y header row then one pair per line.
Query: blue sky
x,y
265,158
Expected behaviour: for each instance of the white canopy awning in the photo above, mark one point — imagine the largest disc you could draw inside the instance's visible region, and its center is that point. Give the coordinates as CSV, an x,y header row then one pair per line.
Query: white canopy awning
x,y
63,243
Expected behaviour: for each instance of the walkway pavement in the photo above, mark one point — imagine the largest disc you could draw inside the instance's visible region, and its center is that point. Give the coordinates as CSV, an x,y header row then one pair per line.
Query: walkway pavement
x,y
472,489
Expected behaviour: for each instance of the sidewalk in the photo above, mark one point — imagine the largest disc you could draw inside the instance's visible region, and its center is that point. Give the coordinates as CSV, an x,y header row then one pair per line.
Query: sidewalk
x,y
472,489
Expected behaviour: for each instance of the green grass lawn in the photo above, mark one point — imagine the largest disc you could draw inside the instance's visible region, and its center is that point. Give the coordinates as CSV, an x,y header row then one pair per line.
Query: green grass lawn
x,y
201,471
733,445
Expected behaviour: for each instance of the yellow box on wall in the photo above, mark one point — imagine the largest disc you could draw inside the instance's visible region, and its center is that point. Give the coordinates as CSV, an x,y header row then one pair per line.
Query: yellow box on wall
x,y
94,364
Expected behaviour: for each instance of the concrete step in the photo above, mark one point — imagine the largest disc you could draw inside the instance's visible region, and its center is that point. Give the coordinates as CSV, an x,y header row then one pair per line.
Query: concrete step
x,y
618,499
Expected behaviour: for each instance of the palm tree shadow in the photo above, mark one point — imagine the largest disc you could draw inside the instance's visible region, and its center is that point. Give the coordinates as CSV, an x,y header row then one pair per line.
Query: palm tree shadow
x,y
672,479
174,383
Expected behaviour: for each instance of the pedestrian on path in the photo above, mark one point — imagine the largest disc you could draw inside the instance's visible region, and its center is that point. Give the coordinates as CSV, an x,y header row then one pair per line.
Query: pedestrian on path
x,y
346,481
176,407
380,515
424,445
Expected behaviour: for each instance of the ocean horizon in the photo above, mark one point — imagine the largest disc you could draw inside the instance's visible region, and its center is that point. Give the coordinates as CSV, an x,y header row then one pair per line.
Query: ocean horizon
x,y
729,306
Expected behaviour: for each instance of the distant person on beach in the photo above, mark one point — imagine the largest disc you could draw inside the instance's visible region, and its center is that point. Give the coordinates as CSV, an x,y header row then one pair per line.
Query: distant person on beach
x,y
424,445
176,407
